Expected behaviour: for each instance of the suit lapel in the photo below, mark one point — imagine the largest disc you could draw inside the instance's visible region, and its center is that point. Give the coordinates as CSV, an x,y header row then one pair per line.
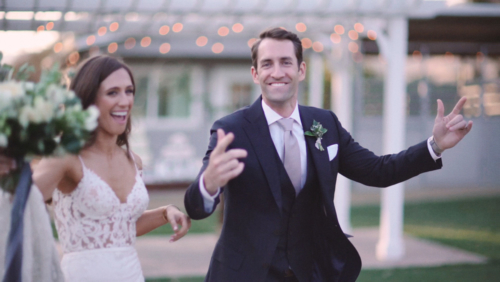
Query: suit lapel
x,y
257,131
320,158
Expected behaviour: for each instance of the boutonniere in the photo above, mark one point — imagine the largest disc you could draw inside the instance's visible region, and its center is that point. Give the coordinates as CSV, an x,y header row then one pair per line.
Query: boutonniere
x,y
317,131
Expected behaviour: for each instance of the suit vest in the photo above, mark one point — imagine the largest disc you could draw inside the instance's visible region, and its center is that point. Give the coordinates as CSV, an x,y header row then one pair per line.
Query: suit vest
x,y
295,249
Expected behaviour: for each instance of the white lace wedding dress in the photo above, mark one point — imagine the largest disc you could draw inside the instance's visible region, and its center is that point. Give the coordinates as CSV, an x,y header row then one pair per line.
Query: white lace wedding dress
x,y
97,232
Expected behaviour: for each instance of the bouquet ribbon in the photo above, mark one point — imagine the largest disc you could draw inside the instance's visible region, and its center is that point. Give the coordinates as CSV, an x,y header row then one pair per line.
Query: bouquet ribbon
x,y
14,251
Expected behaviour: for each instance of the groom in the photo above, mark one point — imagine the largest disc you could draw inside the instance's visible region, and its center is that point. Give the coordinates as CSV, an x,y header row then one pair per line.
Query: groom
x,y
280,223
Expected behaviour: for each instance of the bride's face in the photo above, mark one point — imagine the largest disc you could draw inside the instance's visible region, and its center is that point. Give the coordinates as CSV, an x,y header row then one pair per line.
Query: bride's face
x,y
115,99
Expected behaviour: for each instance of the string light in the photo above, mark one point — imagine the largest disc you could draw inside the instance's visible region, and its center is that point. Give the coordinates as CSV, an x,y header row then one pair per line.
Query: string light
x,y
73,58
339,29
217,48
201,41
164,30
306,43
112,47
359,27
114,26
335,38
40,28
372,34
58,47
146,41
251,41
50,26
90,40
301,27
177,27
130,43
102,30
223,31
317,46
164,48
353,35
353,47
237,27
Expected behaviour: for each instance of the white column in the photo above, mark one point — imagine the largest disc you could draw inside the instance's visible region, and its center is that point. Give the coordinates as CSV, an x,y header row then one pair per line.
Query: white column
x,y
391,245
342,98
316,72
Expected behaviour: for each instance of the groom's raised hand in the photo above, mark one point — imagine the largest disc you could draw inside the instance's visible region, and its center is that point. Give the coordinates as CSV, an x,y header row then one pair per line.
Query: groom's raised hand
x,y
223,165
449,130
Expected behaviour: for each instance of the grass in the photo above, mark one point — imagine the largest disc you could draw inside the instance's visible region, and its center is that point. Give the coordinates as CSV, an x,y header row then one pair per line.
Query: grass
x,y
453,273
208,225
470,224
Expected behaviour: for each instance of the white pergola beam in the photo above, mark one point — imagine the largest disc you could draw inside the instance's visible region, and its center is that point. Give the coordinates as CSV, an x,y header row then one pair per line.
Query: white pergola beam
x,y
341,67
391,245
316,80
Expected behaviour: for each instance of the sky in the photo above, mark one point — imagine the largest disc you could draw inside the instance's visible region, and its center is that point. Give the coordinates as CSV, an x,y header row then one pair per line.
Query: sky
x,y
15,43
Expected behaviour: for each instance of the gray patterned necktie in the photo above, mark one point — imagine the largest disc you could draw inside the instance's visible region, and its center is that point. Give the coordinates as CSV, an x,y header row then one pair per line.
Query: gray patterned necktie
x,y
291,155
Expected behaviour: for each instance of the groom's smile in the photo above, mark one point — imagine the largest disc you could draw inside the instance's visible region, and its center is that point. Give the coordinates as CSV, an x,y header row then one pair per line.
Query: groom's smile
x,y
278,72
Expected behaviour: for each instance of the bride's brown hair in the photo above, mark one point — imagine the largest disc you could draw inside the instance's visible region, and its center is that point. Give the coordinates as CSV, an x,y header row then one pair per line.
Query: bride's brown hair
x,y
86,83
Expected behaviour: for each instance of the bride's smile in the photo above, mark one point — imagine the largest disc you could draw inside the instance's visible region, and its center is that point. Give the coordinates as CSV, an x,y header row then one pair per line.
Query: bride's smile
x,y
115,99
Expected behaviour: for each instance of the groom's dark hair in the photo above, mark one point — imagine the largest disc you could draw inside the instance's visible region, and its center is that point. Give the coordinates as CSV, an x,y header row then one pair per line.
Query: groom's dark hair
x,y
277,33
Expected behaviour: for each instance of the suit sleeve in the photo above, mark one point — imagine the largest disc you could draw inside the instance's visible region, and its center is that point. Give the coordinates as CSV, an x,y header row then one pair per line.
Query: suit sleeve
x,y
193,199
362,165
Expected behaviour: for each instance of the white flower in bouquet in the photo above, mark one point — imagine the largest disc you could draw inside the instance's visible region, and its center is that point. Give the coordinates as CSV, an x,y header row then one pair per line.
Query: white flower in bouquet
x,y
70,94
29,86
91,120
11,89
44,109
3,140
56,94
26,115
8,91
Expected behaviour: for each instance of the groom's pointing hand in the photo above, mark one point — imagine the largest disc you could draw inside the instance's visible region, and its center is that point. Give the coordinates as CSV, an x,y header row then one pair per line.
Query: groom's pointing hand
x,y
449,130
223,165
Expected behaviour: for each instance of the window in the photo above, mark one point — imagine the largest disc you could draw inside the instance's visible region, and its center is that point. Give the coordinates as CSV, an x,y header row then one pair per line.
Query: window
x,y
241,95
141,96
174,94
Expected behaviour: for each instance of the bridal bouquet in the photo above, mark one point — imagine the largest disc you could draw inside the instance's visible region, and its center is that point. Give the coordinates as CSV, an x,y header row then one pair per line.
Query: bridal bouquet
x,y
39,119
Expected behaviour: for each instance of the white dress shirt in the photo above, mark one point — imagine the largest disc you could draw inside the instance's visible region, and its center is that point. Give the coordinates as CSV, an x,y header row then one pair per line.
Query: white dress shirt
x,y
277,134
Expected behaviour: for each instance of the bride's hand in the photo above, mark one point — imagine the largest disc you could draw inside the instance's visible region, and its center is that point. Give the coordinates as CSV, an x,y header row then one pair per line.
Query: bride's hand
x,y
176,217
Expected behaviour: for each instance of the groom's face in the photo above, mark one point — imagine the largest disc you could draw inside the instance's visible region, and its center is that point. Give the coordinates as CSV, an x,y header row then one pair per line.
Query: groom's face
x,y
278,72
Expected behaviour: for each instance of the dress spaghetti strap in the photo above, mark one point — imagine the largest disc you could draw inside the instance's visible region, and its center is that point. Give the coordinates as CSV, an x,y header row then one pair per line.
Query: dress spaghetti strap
x,y
137,170
83,164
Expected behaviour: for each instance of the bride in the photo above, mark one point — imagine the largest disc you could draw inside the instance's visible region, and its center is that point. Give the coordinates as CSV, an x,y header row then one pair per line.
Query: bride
x,y
99,197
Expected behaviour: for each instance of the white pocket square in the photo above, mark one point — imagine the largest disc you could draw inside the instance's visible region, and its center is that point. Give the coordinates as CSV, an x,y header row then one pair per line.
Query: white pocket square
x,y
332,151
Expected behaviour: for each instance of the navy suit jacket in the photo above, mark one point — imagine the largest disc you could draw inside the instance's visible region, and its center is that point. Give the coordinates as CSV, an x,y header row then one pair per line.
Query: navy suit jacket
x,y
253,200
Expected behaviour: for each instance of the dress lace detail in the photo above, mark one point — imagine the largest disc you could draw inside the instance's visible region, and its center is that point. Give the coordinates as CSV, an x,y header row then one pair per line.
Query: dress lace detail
x,y
92,217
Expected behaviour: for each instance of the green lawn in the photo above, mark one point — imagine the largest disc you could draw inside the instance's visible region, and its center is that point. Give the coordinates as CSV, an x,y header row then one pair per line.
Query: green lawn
x,y
208,225
468,224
